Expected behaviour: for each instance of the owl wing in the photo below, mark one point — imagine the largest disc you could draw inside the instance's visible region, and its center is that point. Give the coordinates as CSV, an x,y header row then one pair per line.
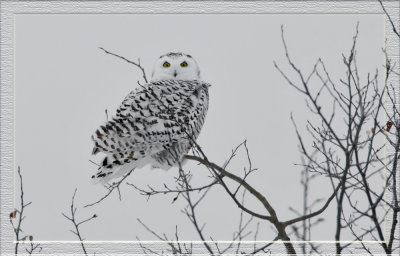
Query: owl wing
x,y
151,119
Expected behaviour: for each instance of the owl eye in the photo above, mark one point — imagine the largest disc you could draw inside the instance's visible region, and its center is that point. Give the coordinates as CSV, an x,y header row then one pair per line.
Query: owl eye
x,y
184,64
166,64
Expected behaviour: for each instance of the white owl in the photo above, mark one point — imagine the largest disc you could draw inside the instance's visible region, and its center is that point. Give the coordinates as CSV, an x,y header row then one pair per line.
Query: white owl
x,y
156,123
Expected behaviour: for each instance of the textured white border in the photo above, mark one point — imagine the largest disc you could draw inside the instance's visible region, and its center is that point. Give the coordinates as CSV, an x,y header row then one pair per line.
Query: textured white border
x,y
9,8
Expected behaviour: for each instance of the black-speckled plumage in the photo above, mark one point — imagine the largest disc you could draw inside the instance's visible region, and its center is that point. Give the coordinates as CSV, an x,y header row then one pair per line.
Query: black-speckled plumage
x,y
151,126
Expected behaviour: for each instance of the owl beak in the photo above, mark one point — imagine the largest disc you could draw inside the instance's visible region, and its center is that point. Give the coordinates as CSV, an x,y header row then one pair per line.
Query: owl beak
x,y
175,74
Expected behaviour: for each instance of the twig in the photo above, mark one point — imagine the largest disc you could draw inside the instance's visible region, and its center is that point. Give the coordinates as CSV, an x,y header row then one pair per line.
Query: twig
x,y
111,188
77,223
33,247
321,210
17,230
137,64
389,18
192,215
178,191
262,248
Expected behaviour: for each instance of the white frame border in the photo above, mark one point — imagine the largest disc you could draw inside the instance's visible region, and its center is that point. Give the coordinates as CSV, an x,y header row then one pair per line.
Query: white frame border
x,y
11,8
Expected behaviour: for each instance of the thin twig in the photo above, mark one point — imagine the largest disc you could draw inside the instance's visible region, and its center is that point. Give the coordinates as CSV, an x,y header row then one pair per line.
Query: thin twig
x,y
17,229
137,64
77,223
111,188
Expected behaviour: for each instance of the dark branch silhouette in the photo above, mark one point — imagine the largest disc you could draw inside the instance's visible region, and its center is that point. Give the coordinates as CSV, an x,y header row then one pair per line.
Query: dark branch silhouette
x,y
77,223
351,160
16,219
137,64
114,186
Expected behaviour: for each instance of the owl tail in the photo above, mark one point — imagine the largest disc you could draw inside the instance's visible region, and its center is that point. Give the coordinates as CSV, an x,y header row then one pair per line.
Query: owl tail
x,y
107,172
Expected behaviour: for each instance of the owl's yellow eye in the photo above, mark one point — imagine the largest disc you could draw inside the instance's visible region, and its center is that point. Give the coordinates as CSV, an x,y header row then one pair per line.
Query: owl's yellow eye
x,y
166,64
184,64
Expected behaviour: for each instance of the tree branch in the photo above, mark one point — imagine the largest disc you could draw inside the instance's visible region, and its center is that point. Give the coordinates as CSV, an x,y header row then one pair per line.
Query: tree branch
x,y
77,223
137,64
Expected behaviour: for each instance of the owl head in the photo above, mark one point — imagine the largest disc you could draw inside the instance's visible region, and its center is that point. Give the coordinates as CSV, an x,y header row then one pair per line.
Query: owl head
x,y
176,66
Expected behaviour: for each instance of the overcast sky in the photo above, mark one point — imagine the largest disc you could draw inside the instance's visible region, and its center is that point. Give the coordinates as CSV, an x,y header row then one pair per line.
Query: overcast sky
x,y
64,83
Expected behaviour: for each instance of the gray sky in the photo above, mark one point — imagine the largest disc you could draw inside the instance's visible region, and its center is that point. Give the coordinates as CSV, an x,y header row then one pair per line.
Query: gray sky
x,y
64,83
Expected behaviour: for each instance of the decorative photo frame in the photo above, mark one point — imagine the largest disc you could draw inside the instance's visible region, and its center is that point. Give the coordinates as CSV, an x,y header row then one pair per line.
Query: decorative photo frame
x,y
17,56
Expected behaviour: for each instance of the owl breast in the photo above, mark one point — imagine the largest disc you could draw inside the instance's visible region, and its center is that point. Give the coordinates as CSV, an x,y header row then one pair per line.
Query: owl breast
x,y
193,122
155,124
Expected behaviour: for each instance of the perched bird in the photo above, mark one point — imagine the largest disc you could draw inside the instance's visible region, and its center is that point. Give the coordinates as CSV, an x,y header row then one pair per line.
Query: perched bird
x,y
156,123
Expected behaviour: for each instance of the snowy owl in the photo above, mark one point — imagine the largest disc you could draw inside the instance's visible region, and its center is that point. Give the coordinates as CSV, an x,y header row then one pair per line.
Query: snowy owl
x,y
156,123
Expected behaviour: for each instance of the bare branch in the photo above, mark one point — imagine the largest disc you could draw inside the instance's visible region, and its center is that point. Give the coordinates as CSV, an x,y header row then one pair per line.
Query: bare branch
x,y
20,213
137,64
77,223
111,188
389,18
